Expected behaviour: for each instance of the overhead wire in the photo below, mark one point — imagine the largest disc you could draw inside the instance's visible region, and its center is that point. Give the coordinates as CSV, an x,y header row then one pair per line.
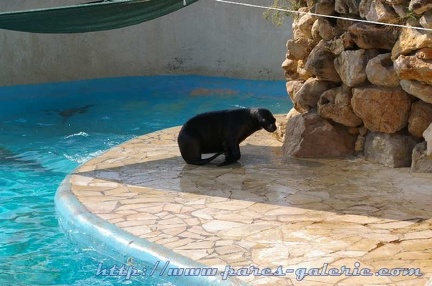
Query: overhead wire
x,y
322,15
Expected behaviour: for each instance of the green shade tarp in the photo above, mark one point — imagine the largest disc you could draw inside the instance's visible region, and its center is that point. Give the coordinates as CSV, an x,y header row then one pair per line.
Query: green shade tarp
x,y
90,17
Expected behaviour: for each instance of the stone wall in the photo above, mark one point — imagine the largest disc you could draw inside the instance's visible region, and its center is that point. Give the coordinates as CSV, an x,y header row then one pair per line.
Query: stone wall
x,y
360,88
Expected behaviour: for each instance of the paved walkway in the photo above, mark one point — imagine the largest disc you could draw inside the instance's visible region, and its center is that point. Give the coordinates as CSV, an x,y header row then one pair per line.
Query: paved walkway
x,y
266,211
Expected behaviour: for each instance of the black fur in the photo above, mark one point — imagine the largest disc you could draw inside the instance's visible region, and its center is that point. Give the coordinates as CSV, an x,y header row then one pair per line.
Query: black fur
x,y
221,132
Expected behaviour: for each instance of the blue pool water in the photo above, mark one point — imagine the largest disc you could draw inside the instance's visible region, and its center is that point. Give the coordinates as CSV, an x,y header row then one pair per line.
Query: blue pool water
x,y
47,130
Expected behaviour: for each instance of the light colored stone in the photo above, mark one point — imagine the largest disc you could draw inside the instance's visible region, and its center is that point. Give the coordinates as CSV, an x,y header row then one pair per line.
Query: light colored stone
x,y
426,20
335,104
290,68
308,95
340,44
381,12
419,89
379,70
320,63
382,109
323,29
218,225
350,65
293,86
368,36
409,41
278,255
420,118
231,205
413,68
391,150
299,48
397,2
303,74
310,136
420,6
302,26
427,135
292,113
421,163
281,123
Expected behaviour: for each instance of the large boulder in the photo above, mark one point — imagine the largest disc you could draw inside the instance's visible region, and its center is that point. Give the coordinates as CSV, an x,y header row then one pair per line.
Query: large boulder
x,y
292,87
323,29
351,65
413,68
411,40
320,63
370,36
380,71
281,124
419,89
302,26
382,109
299,48
310,136
379,11
335,104
420,118
307,96
421,163
391,150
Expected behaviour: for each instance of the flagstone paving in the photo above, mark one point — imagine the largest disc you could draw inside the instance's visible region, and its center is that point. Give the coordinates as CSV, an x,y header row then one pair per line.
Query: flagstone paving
x,y
266,211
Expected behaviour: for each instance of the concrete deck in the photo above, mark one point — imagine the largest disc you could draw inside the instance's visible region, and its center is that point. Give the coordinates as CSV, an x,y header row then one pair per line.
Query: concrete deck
x,y
265,211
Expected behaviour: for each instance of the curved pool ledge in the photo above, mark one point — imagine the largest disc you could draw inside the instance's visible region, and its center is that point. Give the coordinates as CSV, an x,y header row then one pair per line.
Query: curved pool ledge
x,y
141,200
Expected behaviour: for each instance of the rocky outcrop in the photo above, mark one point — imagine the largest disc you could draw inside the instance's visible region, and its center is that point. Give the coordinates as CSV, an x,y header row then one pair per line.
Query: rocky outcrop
x,y
373,81
310,136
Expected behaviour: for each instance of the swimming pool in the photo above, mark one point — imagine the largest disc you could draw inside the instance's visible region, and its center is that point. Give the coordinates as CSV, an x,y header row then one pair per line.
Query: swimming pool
x,y
49,129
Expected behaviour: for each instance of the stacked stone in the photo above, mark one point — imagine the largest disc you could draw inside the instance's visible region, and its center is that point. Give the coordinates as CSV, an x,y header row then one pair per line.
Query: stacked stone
x,y
361,88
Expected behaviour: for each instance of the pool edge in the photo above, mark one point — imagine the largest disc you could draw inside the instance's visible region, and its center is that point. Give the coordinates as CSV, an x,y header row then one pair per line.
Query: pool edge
x,y
71,213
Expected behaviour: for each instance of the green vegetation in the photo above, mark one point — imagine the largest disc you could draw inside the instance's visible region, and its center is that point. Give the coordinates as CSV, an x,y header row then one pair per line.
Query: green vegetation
x,y
277,16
